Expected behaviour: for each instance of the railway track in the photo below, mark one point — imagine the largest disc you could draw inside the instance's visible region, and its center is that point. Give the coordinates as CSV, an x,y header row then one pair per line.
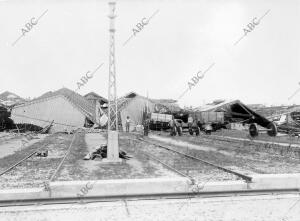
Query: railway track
x,y
197,159
21,161
16,164
46,182
235,144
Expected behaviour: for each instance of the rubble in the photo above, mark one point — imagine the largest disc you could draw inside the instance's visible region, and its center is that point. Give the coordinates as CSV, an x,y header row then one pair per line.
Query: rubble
x,y
42,153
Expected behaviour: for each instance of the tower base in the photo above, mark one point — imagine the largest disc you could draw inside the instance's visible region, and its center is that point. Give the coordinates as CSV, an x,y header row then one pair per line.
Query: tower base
x,y
112,148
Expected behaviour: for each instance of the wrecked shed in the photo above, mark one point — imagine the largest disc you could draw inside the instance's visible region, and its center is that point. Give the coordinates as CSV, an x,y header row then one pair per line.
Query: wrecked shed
x,y
135,106
65,108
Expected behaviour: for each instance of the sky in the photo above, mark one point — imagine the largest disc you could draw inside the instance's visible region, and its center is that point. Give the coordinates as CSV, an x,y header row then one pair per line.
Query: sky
x,y
182,38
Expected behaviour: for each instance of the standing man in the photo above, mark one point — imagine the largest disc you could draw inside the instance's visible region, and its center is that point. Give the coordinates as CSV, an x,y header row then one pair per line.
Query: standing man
x,y
146,127
178,126
190,124
172,127
190,120
127,124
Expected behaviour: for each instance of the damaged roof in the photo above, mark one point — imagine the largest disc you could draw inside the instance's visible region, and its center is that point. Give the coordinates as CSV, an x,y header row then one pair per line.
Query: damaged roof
x,y
80,102
95,96
169,104
216,106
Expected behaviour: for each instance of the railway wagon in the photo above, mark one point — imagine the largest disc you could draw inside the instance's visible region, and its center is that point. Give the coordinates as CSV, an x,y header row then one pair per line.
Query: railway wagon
x,y
160,121
210,117
209,121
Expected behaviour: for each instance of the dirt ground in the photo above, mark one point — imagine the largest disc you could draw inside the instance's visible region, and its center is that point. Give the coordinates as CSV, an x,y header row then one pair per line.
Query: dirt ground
x,y
280,138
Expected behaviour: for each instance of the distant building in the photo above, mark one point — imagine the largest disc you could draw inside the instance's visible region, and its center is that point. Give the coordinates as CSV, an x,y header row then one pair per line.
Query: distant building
x,y
10,99
67,109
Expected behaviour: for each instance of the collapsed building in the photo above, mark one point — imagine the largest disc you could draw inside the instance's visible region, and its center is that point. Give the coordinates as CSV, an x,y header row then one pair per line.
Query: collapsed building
x,y
63,109
234,111
136,106
66,110
94,98
237,114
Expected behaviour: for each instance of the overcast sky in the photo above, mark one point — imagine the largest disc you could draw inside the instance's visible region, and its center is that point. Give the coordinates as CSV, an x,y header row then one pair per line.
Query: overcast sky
x,y
181,39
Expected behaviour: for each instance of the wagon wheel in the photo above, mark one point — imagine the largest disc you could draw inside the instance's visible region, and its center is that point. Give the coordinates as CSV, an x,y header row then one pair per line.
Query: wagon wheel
x,y
253,130
191,131
272,129
208,132
197,131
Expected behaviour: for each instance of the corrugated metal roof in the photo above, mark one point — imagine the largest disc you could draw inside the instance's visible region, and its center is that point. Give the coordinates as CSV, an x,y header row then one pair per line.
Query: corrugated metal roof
x,y
80,102
212,107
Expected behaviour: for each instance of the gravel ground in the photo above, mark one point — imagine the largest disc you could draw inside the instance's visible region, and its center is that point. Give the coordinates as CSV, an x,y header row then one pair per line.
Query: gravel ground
x,y
238,156
202,173
235,208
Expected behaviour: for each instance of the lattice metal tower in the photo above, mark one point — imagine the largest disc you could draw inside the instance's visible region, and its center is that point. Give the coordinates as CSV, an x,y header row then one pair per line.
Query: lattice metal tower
x,y
112,127
112,88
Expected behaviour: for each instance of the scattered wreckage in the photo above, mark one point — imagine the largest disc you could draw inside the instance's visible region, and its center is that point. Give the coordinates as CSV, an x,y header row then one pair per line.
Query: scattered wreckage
x,y
101,153
288,123
221,113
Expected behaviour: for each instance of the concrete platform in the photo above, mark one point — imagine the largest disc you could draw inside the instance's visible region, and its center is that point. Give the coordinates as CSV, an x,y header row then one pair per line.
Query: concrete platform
x,y
275,181
153,186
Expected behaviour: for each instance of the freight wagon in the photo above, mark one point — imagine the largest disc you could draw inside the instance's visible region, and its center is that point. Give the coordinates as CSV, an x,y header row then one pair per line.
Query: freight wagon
x,y
160,121
206,121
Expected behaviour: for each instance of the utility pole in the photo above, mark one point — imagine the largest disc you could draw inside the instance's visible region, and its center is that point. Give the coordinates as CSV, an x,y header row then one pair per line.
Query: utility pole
x,y
112,127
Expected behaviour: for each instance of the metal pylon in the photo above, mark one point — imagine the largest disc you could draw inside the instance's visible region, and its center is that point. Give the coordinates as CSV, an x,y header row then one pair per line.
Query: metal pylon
x,y
112,88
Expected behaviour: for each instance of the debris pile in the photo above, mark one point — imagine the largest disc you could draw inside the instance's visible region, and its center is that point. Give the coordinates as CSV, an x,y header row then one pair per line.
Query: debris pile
x,y
101,153
42,153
